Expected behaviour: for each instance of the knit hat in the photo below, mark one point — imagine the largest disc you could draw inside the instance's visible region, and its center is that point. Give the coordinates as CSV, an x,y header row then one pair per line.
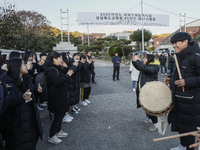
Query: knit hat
x,y
180,36
150,58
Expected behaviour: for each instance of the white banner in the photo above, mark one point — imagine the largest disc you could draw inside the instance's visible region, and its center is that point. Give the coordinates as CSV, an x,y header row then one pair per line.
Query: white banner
x,y
93,18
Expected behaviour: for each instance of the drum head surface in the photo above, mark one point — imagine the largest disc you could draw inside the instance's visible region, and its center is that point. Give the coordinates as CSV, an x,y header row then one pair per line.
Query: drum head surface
x,y
155,97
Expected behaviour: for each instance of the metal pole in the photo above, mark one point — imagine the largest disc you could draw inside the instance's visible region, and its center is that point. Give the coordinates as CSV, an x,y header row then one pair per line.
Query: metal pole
x,y
185,21
88,35
180,20
68,24
142,27
61,25
82,40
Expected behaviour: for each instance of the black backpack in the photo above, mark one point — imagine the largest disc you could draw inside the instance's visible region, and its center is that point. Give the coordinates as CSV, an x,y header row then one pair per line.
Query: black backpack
x,y
41,78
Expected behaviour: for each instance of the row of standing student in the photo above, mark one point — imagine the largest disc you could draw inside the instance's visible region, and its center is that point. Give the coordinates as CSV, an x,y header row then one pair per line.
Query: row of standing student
x,y
20,121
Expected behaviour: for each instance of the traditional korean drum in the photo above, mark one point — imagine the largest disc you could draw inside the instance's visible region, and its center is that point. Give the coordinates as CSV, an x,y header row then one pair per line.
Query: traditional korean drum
x,y
156,99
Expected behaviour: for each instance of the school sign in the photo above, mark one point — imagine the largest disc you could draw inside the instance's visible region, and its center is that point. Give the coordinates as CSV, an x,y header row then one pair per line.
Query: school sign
x,y
94,18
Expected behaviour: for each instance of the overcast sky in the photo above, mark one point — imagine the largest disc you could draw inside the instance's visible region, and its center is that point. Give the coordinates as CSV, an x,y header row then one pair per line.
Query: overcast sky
x,y
51,9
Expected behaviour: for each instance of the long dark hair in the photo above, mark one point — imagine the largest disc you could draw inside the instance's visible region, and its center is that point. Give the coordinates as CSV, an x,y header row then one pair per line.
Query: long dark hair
x,y
14,66
65,58
50,57
14,54
27,54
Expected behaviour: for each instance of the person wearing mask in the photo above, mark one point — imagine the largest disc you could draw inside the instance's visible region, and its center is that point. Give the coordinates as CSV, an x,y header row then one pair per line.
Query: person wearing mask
x,y
134,74
58,96
43,57
149,68
116,66
163,60
22,127
185,115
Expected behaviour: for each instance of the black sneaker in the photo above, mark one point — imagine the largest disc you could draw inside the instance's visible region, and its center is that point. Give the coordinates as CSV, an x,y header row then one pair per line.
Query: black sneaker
x,y
76,108
118,79
113,79
73,110
94,82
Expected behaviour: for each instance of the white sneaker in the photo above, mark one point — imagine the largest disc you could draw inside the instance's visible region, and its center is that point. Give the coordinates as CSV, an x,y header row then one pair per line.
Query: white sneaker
x,y
87,101
54,140
148,121
133,89
153,127
165,73
68,115
162,74
67,119
83,103
61,134
180,147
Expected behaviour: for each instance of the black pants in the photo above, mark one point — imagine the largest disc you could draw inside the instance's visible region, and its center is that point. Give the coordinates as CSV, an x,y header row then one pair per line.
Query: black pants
x,y
85,93
56,124
187,141
116,69
153,118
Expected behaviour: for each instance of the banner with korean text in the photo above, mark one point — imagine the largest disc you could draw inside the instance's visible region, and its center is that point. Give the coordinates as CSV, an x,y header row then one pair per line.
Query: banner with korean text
x,y
94,18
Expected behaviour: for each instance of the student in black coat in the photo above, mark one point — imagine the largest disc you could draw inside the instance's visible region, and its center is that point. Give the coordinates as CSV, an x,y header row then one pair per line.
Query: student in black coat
x,y
85,80
58,96
185,115
149,69
92,67
163,61
22,126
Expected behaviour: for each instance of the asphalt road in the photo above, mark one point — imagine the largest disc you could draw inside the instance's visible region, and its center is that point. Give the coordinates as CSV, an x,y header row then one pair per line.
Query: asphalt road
x,y
111,121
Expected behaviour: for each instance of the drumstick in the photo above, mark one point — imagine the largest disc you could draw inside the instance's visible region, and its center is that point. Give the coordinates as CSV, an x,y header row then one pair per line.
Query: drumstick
x,y
174,136
179,72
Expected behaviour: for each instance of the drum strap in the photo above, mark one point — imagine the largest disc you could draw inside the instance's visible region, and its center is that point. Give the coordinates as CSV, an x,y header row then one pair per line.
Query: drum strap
x,y
160,125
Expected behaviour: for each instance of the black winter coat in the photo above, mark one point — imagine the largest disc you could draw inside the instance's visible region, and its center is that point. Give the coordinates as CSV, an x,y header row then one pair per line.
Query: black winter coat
x,y
74,84
185,116
85,72
21,120
162,59
171,62
58,94
147,73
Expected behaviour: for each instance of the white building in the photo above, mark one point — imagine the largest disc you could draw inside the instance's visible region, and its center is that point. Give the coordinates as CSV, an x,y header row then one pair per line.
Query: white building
x,y
122,35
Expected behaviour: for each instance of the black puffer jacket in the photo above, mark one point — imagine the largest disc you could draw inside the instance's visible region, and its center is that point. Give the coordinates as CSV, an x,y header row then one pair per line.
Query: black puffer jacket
x,y
74,84
162,59
58,94
21,120
85,72
185,116
147,73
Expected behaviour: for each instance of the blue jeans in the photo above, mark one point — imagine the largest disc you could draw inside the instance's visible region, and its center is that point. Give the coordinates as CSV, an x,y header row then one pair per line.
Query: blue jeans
x,y
163,66
134,84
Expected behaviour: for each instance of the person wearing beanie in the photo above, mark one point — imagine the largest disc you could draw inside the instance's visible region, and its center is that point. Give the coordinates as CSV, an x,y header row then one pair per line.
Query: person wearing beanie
x,y
149,68
185,115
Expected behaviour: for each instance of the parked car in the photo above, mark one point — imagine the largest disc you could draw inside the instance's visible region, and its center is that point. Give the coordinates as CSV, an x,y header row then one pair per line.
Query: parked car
x,y
140,52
